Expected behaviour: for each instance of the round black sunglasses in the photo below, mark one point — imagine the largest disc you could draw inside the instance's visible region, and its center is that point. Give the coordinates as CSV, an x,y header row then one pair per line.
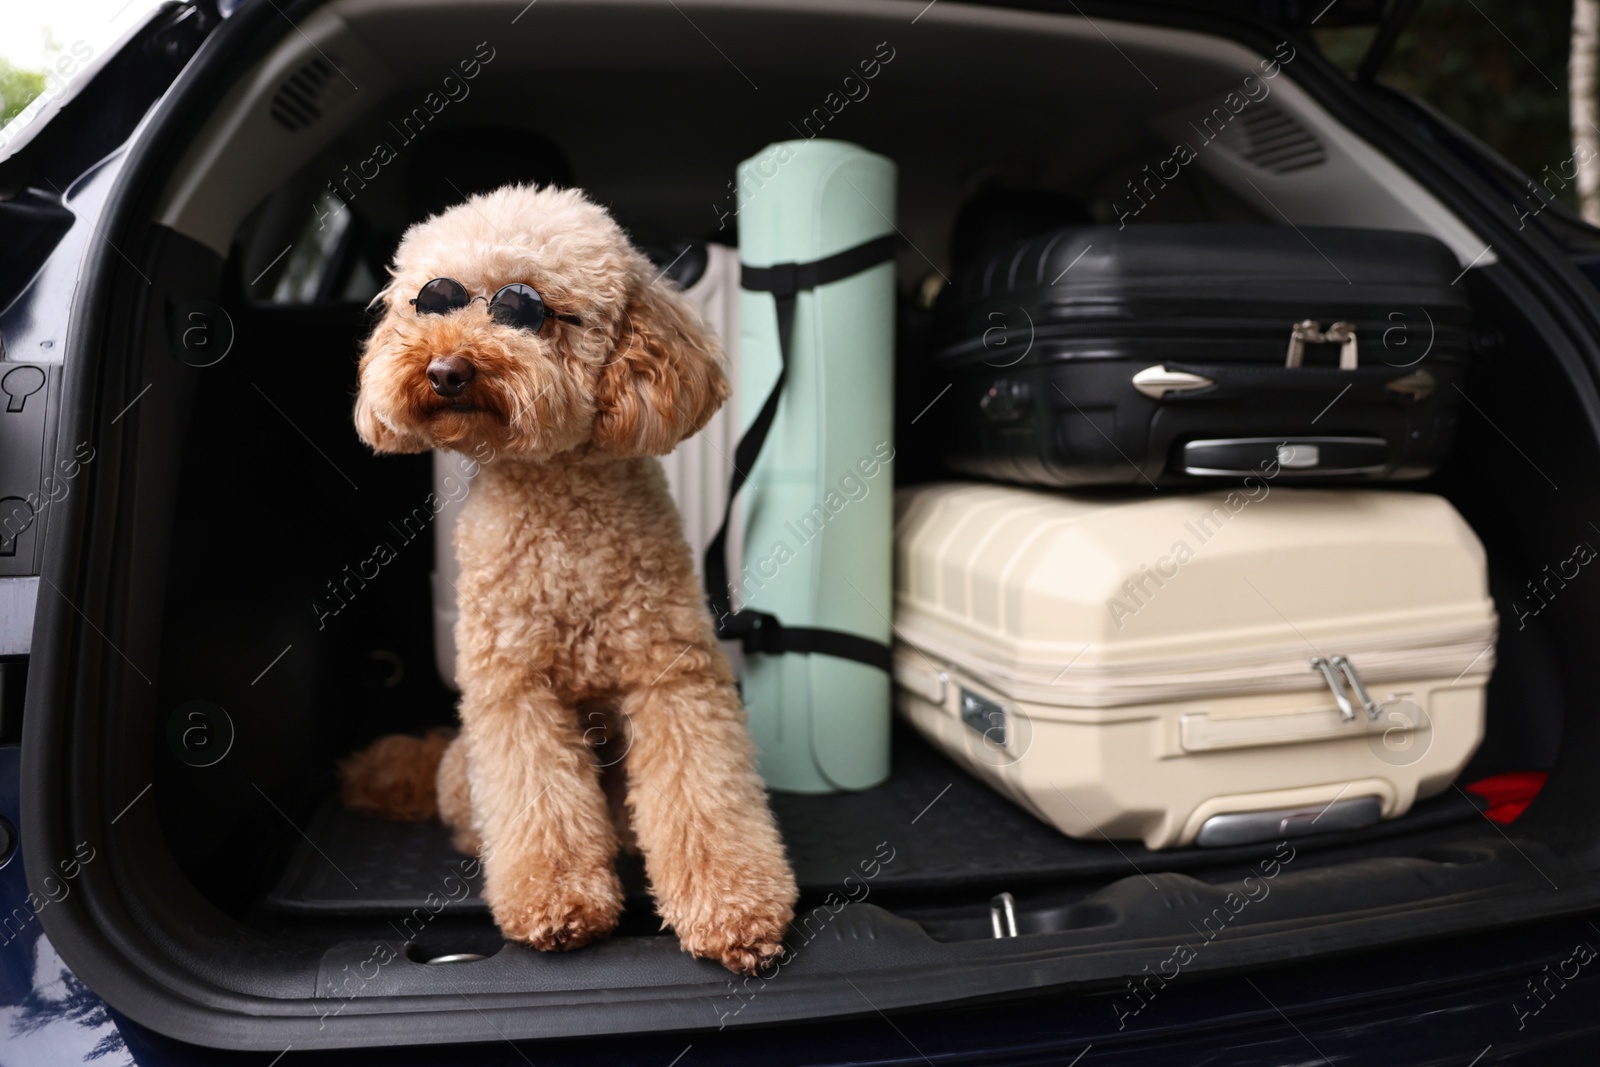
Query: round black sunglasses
x,y
512,305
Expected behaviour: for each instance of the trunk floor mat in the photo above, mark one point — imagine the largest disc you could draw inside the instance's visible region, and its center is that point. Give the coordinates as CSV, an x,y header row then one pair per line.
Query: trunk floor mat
x,y
946,831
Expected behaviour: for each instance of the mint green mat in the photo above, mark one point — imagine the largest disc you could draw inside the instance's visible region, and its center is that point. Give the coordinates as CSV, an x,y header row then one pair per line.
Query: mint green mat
x,y
817,510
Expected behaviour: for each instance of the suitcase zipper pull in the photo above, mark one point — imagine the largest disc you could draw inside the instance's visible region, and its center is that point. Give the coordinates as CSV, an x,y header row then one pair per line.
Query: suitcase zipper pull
x,y
1307,332
1339,673
1345,334
1302,333
1348,669
1331,676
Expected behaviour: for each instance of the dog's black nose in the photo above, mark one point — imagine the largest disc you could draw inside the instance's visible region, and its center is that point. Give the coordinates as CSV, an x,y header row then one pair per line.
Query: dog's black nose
x,y
449,376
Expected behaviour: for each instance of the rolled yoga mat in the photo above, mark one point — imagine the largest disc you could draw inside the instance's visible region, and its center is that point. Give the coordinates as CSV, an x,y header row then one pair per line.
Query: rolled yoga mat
x,y
817,509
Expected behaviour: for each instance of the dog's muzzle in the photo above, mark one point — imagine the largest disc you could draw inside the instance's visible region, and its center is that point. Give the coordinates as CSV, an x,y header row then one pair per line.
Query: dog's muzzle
x,y
449,375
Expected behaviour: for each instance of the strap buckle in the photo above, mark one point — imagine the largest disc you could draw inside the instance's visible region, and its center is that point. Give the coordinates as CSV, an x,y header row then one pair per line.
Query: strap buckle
x,y
780,279
763,633
757,631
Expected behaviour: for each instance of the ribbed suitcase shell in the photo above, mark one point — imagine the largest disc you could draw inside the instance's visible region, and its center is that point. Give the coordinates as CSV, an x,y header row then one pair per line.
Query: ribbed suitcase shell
x,y
1044,341
1134,666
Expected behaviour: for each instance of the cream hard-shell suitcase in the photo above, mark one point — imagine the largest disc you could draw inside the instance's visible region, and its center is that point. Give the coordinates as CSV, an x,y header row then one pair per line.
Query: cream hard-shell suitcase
x,y
1211,669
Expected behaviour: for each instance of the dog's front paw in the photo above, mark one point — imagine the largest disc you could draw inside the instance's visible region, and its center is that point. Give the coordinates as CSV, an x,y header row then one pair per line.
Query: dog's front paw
x,y
734,907
554,910
745,936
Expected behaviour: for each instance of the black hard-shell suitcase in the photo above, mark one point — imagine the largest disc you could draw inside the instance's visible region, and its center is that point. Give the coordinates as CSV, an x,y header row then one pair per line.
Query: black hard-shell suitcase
x,y
1182,354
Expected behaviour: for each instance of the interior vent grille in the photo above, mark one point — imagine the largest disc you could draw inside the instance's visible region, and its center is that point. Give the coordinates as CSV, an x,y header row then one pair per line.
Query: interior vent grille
x,y
308,93
1274,141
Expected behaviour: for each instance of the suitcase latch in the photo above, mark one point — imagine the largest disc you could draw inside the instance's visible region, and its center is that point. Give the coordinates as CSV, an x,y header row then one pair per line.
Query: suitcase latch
x,y
984,715
1307,332
1340,674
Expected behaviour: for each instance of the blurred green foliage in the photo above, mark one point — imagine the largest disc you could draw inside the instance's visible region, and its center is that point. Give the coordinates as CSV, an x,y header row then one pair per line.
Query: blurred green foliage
x,y
1496,67
18,87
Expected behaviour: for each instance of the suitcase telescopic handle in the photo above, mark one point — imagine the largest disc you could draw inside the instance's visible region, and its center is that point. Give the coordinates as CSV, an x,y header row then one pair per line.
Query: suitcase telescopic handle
x,y
1307,332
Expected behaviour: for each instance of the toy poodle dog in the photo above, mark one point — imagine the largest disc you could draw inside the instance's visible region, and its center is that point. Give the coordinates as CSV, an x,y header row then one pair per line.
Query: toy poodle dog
x,y
524,326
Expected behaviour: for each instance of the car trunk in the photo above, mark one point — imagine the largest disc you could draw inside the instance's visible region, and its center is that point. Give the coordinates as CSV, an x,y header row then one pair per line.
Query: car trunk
x,y
239,905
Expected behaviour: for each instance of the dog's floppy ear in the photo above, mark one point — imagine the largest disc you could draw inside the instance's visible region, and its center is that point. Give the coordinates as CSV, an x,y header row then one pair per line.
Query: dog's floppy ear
x,y
376,435
663,380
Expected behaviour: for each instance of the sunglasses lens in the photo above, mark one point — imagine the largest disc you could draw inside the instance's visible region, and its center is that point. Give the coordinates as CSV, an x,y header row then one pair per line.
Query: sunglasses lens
x,y
518,305
440,296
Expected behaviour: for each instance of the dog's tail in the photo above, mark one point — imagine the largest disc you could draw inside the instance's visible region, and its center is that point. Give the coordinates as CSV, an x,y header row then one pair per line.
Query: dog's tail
x,y
395,777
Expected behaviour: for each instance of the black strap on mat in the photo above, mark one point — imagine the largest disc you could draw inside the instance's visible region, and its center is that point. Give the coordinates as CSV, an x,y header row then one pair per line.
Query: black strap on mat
x,y
759,631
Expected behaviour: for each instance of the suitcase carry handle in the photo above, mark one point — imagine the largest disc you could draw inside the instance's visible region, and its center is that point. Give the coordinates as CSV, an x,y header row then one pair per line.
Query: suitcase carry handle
x,y
1242,457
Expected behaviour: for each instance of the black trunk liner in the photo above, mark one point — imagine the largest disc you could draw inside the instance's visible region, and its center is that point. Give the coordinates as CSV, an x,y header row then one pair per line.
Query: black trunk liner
x,y
947,831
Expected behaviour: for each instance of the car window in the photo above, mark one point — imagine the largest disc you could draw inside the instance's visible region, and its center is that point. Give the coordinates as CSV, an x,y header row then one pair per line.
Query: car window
x,y
309,261
327,255
45,48
1498,68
